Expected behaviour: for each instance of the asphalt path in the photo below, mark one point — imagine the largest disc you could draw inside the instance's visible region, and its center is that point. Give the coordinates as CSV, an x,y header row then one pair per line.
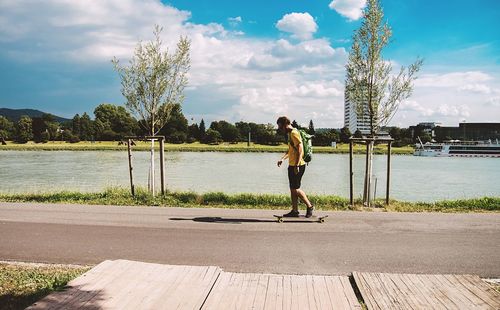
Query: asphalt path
x,y
251,241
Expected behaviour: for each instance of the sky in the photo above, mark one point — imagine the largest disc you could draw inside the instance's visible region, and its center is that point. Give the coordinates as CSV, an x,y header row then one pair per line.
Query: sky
x,y
252,60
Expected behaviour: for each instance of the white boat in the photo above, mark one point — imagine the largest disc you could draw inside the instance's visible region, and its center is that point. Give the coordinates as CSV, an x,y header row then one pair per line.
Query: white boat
x,y
457,148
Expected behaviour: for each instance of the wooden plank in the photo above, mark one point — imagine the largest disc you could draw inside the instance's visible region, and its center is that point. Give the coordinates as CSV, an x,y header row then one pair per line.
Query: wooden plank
x,y
161,280
364,289
91,292
300,291
452,293
122,283
130,285
218,292
321,291
272,293
336,292
260,295
398,299
287,292
435,295
410,291
423,292
144,286
463,291
189,290
72,287
310,293
375,288
351,301
481,289
251,291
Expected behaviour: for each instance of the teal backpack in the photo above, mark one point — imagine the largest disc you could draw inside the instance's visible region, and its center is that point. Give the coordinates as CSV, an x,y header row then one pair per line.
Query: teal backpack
x,y
307,145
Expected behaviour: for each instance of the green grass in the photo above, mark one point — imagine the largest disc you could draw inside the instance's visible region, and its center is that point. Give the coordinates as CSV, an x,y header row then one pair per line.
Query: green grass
x,y
191,147
121,196
23,284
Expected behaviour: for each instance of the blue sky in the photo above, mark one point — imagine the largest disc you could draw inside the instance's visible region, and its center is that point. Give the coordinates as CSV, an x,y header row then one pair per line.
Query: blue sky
x,y
253,60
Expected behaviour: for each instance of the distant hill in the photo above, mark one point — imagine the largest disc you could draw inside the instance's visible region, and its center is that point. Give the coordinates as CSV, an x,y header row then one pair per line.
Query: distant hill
x,y
15,114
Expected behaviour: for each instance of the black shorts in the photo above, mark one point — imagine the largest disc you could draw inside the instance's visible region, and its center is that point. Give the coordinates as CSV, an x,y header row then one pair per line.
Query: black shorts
x,y
294,179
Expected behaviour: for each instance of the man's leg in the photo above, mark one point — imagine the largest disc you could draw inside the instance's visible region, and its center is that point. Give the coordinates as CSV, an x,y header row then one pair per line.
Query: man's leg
x,y
300,194
295,202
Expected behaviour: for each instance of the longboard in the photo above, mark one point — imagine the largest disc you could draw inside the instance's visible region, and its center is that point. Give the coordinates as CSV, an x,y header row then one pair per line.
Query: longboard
x,y
301,218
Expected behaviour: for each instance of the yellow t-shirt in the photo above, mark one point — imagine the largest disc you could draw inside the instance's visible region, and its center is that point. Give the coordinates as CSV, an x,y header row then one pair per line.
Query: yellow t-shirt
x,y
294,139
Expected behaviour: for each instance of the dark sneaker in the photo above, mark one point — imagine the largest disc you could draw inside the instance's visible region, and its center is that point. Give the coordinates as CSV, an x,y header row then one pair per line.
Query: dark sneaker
x,y
291,214
309,211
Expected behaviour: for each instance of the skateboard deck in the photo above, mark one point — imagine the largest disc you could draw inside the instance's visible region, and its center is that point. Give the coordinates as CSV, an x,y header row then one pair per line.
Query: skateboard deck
x,y
301,218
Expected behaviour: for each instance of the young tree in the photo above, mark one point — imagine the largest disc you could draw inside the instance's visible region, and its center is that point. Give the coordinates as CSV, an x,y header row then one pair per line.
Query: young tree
x,y
311,128
212,136
370,86
193,133
202,130
6,128
176,128
345,134
117,119
75,125
153,82
86,128
24,129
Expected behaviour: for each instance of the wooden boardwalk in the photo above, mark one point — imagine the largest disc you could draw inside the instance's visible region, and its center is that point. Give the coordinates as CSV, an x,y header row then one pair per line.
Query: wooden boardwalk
x,y
123,284
420,291
269,291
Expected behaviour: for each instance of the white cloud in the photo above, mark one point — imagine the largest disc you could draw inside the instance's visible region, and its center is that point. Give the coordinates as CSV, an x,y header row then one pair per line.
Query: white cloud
x,y
283,55
234,21
451,97
453,79
301,25
493,101
352,9
413,106
476,88
232,76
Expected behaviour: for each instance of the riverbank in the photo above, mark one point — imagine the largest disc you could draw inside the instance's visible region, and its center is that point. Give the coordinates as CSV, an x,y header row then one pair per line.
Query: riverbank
x,y
121,196
190,147
22,284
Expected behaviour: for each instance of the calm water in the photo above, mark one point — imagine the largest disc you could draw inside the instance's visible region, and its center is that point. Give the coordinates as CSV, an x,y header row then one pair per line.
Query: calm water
x,y
413,178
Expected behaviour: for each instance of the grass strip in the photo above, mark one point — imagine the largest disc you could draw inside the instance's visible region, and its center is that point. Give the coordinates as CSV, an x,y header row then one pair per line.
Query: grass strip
x,y
23,284
122,196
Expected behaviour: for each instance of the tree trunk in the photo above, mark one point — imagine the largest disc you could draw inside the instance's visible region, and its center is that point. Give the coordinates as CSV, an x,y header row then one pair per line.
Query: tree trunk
x,y
152,175
368,174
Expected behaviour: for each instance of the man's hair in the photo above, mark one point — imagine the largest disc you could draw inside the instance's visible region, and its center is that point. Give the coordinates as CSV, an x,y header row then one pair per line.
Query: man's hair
x,y
283,120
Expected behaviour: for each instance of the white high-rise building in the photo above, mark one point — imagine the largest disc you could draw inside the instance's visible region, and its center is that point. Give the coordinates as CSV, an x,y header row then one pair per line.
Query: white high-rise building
x,y
352,121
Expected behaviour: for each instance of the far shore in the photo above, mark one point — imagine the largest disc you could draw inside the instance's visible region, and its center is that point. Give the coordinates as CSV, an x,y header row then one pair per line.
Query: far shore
x,y
341,148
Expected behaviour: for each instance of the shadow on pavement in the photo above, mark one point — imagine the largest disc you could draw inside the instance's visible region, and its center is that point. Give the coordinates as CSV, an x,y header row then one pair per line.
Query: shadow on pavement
x,y
221,220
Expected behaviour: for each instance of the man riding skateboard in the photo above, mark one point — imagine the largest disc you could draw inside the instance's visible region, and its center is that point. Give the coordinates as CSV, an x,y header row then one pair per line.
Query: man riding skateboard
x,y
296,166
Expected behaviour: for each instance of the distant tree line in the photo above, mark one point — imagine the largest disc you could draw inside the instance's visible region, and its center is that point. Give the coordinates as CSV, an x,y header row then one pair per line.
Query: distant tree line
x,y
113,123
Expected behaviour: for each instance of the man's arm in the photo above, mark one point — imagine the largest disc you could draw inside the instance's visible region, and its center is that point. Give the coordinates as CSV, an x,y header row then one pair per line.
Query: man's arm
x,y
300,152
299,156
282,158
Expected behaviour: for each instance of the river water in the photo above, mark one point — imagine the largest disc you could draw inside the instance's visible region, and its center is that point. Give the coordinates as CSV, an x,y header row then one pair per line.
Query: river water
x,y
412,178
